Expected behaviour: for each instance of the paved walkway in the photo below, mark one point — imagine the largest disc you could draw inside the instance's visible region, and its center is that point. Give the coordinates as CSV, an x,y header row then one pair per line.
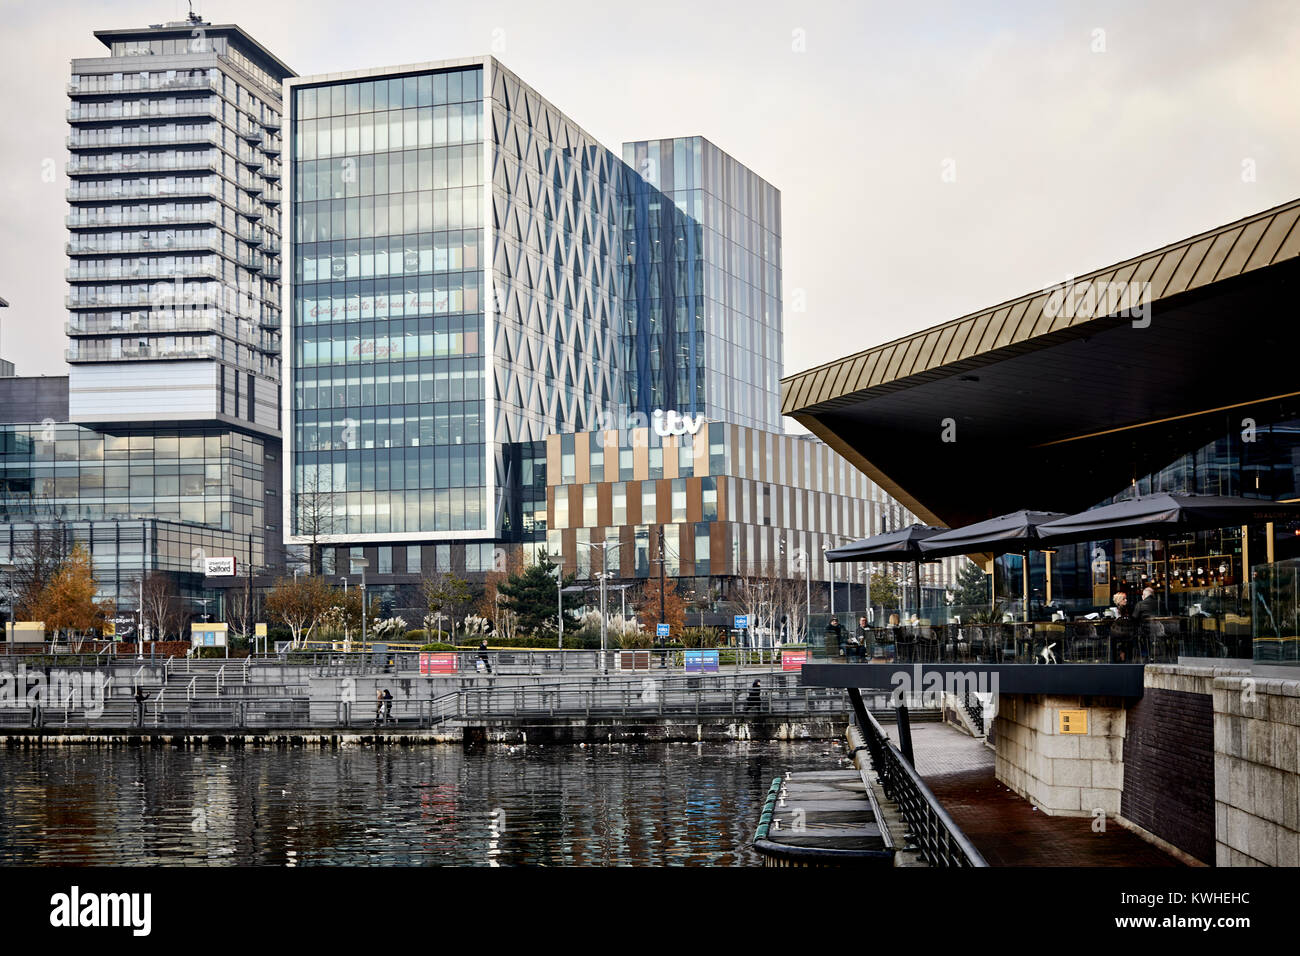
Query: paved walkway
x,y
1003,825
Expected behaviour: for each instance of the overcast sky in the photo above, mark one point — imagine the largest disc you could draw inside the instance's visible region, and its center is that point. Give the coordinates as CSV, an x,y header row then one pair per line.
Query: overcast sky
x,y
933,158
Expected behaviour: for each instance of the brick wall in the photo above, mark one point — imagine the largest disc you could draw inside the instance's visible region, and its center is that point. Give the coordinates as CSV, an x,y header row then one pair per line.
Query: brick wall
x,y
1169,769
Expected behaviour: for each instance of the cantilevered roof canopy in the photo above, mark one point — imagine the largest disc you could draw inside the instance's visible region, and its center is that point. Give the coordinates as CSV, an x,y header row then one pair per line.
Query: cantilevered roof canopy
x,y
1056,401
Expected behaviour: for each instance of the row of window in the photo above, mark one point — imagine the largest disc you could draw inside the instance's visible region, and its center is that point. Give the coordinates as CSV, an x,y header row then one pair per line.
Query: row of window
x,y
396,255
454,424
428,296
368,217
363,96
410,170
352,136
400,512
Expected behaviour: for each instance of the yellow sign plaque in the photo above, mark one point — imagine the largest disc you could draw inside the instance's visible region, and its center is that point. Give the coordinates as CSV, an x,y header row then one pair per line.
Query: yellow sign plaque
x,y
1073,721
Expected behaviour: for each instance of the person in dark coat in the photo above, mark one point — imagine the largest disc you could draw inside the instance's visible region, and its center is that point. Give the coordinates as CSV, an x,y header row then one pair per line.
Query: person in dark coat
x,y
835,636
755,697
140,697
1145,626
388,706
483,655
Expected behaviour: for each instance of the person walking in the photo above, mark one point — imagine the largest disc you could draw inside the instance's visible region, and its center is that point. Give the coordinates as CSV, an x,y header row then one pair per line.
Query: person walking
x,y
388,706
379,706
483,655
755,698
138,713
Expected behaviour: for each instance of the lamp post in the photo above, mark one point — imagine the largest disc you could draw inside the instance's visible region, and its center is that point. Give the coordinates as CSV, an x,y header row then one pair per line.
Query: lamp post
x,y
362,563
604,547
831,568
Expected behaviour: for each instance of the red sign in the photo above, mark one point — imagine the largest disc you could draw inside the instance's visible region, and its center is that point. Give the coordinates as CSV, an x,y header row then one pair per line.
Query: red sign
x,y
793,660
437,663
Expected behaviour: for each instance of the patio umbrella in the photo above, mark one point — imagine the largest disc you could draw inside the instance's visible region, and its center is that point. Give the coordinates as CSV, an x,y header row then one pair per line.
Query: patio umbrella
x,y
1013,533
901,545
1160,516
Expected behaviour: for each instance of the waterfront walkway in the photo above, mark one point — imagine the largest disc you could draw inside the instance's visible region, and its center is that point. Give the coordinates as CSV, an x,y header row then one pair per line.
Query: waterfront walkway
x,y
1004,826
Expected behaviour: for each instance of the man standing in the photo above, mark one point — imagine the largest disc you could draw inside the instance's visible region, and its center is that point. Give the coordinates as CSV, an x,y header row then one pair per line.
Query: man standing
x,y
140,697
1144,624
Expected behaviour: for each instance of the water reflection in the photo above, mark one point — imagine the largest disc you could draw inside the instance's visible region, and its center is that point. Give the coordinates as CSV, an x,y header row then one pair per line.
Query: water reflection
x,y
658,804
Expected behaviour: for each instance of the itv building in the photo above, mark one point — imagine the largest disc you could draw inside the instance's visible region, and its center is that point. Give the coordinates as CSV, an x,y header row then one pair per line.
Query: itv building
x,y
487,309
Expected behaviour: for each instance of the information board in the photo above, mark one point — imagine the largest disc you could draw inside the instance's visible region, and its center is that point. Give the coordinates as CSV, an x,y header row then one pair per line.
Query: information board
x,y
701,662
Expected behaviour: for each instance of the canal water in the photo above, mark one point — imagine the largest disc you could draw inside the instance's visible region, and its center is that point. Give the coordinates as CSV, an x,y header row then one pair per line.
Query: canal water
x,y
607,805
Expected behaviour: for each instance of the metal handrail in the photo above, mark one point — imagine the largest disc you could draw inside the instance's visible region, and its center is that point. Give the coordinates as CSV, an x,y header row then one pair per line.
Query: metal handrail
x,y
937,836
974,709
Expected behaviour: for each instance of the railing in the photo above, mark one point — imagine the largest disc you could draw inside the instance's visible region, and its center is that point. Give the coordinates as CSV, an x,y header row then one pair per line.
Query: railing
x,y
1158,640
932,830
974,709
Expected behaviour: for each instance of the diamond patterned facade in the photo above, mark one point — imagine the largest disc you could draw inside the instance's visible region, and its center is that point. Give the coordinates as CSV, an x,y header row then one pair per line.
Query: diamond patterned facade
x,y
462,248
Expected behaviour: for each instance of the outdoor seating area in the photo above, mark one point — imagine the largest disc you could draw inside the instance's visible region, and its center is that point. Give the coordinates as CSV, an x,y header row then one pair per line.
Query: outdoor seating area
x,y
1106,641
1146,631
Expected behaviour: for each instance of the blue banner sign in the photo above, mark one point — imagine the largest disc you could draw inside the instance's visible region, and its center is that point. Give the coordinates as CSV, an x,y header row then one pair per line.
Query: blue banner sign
x,y
701,662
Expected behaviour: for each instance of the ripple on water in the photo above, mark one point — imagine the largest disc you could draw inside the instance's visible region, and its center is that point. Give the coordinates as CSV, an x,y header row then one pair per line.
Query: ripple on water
x,y
598,805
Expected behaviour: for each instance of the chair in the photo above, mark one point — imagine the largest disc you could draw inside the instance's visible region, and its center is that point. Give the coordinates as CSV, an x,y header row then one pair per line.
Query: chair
x,y
906,643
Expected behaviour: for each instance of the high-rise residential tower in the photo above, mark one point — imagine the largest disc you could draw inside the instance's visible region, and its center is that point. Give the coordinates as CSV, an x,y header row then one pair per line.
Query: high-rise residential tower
x,y
173,228
162,445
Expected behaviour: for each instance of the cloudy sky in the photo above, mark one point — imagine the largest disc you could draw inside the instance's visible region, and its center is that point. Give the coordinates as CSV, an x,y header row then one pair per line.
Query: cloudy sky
x,y
933,158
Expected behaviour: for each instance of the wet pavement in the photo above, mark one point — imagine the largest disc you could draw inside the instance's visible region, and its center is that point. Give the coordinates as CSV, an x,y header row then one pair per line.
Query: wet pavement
x,y
1003,825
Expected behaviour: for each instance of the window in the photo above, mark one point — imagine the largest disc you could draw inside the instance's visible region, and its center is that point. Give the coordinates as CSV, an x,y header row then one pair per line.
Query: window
x,y
386,560
649,509
413,559
620,503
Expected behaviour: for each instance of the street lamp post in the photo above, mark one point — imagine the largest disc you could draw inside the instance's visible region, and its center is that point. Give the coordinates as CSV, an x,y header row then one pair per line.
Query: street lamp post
x,y
362,563
604,547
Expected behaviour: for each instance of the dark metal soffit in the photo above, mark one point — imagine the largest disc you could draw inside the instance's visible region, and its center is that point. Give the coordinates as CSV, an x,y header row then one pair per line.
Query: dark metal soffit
x,y
1230,250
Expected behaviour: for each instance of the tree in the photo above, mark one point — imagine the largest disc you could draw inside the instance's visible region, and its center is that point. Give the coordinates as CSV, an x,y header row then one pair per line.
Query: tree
x,y
883,590
315,504
37,559
530,595
68,601
160,609
972,588
446,595
673,606
299,604
503,620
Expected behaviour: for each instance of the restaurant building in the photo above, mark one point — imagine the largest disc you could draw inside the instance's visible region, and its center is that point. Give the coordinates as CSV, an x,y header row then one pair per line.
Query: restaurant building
x,y
1169,371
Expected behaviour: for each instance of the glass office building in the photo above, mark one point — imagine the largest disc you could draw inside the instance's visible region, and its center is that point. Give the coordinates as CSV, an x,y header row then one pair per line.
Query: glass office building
x,y
704,330
468,277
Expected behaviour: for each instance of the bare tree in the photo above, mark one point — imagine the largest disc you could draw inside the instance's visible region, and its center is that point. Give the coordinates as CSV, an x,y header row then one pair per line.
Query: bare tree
x,y
315,506
37,559
160,609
